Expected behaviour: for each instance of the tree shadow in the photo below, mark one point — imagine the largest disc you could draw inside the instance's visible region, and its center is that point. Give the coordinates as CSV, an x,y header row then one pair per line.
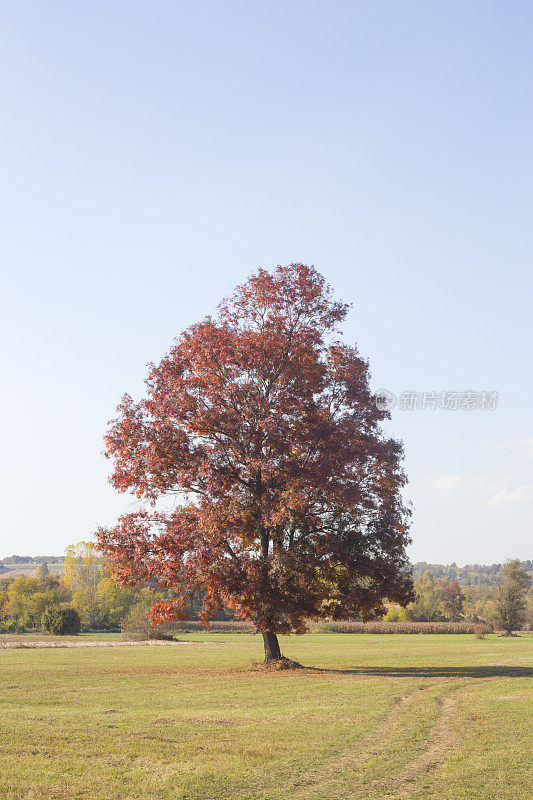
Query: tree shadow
x,y
433,672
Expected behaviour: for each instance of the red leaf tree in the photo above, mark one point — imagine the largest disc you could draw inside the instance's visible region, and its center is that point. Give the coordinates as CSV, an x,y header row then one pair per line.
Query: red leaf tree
x,y
260,432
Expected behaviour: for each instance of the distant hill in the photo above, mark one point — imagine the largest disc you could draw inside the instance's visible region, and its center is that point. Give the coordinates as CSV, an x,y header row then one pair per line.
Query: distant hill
x,y
469,575
20,560
13,566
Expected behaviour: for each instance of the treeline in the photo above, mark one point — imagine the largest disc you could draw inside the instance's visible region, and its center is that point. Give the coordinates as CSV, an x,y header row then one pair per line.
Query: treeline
x,y
85,585
469,575
444,599
45,601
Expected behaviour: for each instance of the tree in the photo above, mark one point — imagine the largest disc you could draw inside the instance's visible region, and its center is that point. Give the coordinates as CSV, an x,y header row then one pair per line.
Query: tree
x,y
261,430
82,572
453,599
112,603
427,604
25,600
510,597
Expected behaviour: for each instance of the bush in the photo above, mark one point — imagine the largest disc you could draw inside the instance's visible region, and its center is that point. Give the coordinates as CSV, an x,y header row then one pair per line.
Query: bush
x,y
480,629
11,626
137,626
61,621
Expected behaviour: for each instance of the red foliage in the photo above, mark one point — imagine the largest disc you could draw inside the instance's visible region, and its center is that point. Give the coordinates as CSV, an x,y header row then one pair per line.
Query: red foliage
x,y
262,427
166,611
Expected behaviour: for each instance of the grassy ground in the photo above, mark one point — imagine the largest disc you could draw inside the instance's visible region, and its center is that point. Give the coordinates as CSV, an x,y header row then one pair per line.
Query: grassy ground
x,y
375,717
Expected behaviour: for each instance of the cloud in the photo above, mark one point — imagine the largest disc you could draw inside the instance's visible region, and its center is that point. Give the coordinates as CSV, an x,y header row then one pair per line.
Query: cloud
x,y
506,497
444,485
498,493
520,444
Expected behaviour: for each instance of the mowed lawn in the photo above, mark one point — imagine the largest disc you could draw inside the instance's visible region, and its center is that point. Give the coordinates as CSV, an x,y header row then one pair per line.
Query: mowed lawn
x,y
372,717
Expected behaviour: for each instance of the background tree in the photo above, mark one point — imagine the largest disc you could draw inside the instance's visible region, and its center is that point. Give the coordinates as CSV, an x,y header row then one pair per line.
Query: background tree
x,y
453,599
427,604
83,570
20,601
26,599
510,597
112,604
262,427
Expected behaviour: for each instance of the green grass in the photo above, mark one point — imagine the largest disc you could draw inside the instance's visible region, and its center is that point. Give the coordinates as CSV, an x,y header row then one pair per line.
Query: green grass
x,y
375,717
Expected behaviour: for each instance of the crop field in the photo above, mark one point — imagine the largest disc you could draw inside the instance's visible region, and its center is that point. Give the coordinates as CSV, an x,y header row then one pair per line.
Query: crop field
x,y
370,717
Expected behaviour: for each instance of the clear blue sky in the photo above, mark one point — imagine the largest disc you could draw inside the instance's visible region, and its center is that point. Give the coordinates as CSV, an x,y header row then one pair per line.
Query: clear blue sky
x,y
154,154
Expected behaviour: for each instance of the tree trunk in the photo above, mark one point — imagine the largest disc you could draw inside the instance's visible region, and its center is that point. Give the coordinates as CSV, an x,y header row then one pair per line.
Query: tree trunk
x,y
272,651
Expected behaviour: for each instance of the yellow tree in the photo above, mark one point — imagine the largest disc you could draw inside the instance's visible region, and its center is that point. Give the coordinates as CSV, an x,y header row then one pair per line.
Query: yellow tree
x,y
83,569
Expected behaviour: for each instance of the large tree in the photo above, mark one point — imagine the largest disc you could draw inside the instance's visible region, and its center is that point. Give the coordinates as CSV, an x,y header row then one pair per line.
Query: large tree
x,y
267,479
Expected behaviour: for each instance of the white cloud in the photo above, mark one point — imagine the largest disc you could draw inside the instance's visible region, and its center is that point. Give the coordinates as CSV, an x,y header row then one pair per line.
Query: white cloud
x,y
506,497
520,444
498,493
444,485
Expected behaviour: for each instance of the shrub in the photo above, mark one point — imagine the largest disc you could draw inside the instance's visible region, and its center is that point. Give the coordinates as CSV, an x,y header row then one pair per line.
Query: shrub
x,y
480,630
137,626
11,626
61,621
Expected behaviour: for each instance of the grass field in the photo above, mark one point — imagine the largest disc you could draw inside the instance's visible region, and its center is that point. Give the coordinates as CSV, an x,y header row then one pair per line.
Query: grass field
x,y
375,717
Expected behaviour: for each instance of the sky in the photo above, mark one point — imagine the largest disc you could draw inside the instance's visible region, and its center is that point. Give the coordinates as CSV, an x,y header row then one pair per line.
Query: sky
x,y
153,155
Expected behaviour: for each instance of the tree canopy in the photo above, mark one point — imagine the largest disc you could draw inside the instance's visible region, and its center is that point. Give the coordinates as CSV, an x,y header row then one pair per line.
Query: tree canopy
x,y
266,476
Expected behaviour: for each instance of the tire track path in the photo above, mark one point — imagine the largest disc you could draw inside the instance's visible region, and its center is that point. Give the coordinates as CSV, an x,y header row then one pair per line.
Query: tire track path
x,y
329,771
397,787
